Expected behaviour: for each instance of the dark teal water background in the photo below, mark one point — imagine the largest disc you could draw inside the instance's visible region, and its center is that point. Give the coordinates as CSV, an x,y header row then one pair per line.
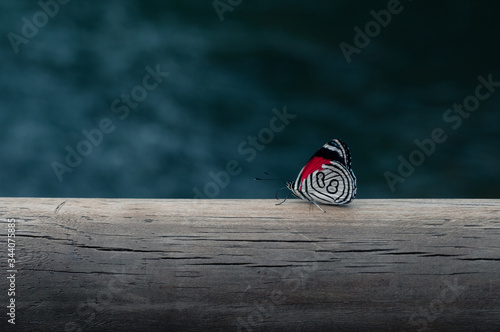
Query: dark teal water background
x,y
225,78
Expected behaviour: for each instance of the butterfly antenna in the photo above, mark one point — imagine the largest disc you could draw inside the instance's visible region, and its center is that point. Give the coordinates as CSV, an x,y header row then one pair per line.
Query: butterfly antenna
x,y
268,179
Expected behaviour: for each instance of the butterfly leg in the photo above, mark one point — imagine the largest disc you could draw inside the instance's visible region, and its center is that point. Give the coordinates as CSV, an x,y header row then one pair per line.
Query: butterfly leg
x,y
318,206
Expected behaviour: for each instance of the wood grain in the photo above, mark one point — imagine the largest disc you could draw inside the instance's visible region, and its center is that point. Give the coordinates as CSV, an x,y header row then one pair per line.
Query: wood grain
x,y
249,265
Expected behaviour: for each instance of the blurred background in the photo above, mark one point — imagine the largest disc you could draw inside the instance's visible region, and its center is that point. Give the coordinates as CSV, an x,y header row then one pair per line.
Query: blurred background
x,y
64,65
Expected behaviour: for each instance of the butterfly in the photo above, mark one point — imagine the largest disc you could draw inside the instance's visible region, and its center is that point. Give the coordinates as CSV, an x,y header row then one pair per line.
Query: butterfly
x,y
327,178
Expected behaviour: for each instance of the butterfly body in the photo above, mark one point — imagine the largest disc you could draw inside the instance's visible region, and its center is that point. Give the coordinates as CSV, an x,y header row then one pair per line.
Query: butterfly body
x,y
327,178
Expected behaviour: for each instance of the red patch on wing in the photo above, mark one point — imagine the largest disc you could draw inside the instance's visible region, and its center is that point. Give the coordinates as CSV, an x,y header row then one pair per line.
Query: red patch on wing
x,y
316,163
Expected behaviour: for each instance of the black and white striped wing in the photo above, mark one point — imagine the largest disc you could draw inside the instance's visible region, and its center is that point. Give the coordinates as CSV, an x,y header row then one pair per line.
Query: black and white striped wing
x,y
327,177
333,184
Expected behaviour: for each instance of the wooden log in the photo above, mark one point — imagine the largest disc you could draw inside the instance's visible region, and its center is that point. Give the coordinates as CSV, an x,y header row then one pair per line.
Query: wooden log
x,y
249,265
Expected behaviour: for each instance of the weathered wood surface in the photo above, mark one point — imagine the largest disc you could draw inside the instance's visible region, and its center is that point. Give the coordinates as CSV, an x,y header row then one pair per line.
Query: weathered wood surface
x,y
249,265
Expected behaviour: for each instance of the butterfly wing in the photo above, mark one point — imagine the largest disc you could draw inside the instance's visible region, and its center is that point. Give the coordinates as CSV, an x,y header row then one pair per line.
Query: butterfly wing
x,y
327,177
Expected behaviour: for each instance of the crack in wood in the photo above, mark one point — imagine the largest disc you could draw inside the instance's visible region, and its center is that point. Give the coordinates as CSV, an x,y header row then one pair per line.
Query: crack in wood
x,y
440,255
406,253
172,258
480,259
59,207
99,248
48,237
83,272
356,250
269,241
285,265
220,263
